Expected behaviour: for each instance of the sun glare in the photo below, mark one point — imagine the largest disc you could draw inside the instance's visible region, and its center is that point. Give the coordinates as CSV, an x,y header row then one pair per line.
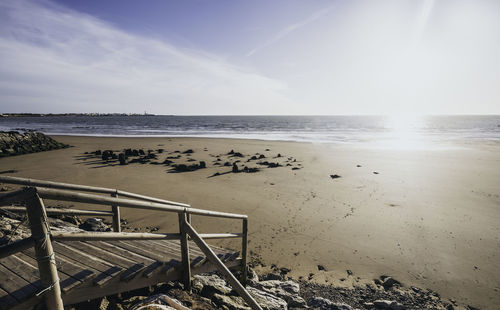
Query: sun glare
x,y
404,131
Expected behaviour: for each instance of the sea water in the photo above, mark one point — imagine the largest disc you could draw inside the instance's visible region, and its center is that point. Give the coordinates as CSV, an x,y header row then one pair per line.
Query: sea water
x,y
383,131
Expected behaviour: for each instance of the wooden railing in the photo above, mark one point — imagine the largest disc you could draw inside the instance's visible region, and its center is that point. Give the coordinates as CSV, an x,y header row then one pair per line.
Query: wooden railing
x,y
41,237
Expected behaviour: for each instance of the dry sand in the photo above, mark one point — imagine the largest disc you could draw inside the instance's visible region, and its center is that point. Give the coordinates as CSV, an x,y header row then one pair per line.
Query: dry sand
x,y
428,218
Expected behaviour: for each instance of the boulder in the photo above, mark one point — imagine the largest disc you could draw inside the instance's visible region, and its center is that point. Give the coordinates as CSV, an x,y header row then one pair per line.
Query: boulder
x,y
388,304
209,284
287,290
157,302
94,224
230,302
266,300
323,303
235,168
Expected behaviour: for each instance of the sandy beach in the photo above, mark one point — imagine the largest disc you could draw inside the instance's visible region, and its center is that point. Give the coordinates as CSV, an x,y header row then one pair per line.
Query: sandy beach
x,y
428,218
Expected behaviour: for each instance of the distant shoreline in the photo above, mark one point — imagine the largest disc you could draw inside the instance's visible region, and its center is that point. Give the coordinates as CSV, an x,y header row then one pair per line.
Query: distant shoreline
x,y
72,114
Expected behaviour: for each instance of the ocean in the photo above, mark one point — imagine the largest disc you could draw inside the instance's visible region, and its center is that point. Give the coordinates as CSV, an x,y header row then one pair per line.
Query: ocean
x,y
382,131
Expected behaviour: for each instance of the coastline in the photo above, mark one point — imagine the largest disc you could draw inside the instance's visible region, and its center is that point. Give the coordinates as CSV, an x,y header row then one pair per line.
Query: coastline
x,y
428,218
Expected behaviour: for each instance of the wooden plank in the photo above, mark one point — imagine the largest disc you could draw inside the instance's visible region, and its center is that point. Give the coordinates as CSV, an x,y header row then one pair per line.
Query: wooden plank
x,y
109,246
106,269
130,273
15,285
102,254
82,257
24,270
107,275
151,268
198,261
141,250
175,246
70,273
6,300
166,252
172,264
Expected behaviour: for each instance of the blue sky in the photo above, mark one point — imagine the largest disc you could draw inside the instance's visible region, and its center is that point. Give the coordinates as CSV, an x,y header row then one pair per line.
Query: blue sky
x,y
250,57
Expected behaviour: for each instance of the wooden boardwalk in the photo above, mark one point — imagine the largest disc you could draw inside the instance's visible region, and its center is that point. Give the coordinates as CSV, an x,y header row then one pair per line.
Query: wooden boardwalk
x,y
92,269
63,268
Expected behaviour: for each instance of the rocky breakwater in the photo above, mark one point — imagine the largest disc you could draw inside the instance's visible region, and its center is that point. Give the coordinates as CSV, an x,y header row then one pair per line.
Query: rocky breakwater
x,y
16,143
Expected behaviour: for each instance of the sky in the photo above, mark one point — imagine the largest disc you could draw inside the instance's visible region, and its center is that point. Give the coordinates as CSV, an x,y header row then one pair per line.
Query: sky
x,y
233,57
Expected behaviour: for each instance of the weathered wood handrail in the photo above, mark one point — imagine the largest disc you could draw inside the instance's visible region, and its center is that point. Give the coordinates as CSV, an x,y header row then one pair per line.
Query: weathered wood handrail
x,y
64,195
63,211
84,188
103,236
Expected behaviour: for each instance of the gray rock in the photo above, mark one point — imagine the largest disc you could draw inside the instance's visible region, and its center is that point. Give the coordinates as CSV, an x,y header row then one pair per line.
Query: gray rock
x,y
208,285
388,304
323,303
157,302
252,277
287,290
230,302
94,224
267,301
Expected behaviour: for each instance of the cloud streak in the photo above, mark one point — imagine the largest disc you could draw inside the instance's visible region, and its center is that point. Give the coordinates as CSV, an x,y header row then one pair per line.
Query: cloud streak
x,y
56,59
290,28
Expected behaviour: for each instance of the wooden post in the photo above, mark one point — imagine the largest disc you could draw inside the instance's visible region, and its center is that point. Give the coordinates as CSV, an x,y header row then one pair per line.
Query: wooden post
x,y
116,216
222,268
186,266
244,245
44,253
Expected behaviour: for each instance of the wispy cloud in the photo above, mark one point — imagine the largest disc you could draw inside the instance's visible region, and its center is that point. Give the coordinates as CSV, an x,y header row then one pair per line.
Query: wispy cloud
x,y
290,28
56,59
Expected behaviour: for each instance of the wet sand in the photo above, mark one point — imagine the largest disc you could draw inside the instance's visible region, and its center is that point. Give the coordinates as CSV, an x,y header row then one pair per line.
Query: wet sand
x,y
427,218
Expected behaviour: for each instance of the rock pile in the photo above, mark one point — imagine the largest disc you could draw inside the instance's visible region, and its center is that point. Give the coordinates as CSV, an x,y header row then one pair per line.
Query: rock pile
x,y
15,143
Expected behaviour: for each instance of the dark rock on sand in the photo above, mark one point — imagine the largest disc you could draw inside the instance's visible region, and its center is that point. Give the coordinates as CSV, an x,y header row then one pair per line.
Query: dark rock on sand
x,y
186,168
335,176
122,158
235,168
94,224
250,170
190,151
107,155
388,282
